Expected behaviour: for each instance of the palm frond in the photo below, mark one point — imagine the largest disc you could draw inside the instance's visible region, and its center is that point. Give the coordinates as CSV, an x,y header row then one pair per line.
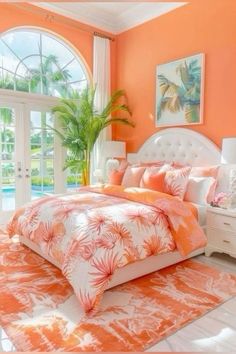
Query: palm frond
x,y
116,108
192,113
82,124
113,100
74,165
60,135
183,71
70,105
124,121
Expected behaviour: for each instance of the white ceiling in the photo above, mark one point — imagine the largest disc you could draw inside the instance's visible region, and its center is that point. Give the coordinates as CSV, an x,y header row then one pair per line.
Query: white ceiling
x,y
114,17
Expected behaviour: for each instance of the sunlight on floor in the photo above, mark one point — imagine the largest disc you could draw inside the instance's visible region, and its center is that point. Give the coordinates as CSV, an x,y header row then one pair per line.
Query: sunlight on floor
x,y
5,344
224,336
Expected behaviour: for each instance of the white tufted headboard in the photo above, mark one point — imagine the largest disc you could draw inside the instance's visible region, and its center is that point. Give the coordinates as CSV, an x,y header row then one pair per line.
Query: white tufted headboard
x,y
180,145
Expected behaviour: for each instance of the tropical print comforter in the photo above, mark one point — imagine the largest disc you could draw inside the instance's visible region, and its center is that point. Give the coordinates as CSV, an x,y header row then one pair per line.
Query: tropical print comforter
x,y
93,232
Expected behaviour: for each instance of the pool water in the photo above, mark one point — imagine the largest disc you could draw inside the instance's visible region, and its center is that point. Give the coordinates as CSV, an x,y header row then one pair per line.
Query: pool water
x,y
8,198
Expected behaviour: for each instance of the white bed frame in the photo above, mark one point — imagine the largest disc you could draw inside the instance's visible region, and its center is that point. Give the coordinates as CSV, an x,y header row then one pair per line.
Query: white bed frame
x,y
180,145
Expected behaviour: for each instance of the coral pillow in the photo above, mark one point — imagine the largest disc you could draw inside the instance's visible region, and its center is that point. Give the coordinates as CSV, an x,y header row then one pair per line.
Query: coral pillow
x,y
132,176
176,181
115,177
154,178
200,190
208,171
123,165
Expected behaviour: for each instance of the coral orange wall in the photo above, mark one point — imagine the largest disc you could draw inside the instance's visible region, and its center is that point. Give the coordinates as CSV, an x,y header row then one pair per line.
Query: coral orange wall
x,y
200,27
14,15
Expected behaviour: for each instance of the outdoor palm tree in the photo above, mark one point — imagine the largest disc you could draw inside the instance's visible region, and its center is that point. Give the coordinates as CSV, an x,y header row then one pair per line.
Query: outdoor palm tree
x,y
185,96
6,82
48,76
7,138
81,125
45,79
6,119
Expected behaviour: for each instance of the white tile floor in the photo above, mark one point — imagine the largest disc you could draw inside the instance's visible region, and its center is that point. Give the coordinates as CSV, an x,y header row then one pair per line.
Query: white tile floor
x,y
214,332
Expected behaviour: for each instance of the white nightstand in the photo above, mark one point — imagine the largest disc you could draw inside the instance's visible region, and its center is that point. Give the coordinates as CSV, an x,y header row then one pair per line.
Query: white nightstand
x,y
221,231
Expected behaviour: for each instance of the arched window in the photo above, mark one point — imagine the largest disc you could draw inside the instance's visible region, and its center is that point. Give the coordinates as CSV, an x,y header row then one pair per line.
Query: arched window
x,y
36,61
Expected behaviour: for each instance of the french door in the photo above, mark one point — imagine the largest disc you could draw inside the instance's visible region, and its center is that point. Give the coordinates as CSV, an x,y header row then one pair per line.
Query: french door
x,y
31,156
11,151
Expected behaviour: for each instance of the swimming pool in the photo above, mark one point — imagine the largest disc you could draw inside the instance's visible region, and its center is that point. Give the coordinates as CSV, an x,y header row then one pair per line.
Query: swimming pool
x,y
11,191
8,197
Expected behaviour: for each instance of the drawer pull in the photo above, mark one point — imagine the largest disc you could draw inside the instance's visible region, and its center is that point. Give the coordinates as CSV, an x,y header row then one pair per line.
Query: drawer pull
x,y
226,241
227,223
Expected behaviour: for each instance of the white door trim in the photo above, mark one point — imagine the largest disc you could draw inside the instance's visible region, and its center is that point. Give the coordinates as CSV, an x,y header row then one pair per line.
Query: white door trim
x,y
18,153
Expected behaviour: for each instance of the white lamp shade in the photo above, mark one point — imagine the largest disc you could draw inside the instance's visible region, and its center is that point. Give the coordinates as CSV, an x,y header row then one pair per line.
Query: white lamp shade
x,y
228,153
114,149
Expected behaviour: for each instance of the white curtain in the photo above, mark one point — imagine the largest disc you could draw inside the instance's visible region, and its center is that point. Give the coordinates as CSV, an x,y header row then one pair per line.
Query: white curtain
x,y
101,78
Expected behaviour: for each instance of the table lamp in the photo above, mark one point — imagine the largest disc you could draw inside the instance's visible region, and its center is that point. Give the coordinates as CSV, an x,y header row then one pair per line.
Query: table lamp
x,y
228,157
112,150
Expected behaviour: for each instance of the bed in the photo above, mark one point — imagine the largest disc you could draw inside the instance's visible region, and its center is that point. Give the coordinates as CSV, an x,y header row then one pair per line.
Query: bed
x,y
178,145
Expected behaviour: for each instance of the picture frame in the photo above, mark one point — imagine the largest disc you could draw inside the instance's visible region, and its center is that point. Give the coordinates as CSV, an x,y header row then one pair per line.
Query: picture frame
x,y
179,91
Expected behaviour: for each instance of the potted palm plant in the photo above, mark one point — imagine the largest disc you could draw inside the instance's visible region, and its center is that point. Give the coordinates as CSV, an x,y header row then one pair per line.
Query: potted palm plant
x,y
81,125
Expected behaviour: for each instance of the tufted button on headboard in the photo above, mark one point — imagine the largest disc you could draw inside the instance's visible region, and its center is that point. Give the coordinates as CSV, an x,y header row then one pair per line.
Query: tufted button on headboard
x,y
180,145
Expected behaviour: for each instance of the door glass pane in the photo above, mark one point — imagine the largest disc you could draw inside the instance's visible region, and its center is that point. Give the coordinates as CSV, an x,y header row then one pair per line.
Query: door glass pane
x,y
73,179
42,154
7,159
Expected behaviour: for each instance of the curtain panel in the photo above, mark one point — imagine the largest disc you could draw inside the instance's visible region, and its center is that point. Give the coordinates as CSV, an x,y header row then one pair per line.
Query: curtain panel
x,y
101,79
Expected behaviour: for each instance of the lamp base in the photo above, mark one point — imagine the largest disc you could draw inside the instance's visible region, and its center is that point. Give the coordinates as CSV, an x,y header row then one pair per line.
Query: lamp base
x,y
111,164
232,186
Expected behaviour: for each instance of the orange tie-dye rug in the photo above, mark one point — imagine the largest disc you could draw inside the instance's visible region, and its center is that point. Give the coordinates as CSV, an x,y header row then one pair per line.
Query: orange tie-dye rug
x,y
39,312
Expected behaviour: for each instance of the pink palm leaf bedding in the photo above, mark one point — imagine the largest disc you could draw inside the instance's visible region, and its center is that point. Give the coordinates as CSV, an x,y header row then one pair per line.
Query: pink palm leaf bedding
x,y
97,230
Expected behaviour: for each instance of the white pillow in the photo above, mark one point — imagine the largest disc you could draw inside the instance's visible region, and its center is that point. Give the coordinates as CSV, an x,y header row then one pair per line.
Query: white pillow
x,y
200,190
132,176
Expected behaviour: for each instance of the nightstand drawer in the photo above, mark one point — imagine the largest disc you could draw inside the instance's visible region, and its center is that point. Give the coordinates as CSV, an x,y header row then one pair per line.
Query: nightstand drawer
x,y
222,222
222,239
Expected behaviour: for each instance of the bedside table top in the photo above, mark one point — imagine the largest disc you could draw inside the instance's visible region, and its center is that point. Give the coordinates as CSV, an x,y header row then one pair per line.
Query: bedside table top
x,y
221,211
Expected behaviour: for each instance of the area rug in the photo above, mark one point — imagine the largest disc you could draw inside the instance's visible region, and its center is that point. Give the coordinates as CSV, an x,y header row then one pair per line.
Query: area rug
x,y
39,312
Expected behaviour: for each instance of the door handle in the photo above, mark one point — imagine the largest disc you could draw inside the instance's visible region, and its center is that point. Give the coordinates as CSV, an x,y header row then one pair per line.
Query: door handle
x,y
27,171
19,166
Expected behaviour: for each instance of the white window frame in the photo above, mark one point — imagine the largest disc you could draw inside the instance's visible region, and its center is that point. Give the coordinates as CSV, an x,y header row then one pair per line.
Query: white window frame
x,y
63,41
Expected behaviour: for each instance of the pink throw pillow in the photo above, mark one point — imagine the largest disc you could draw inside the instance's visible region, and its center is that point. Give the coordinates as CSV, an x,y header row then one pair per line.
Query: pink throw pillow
x,y
176,181
208,171
132,176
212,192
178,165
123,165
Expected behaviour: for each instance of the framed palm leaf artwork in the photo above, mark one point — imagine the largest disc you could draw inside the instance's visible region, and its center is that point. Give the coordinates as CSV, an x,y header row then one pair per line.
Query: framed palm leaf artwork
x,y
179,91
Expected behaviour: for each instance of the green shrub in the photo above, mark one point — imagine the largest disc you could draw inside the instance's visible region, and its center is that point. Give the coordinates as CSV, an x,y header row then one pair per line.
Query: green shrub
x,y
48,181
38,181
34,172
74,179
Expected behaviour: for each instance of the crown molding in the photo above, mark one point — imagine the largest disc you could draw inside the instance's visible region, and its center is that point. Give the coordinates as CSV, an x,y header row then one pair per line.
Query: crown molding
x,y
101,15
